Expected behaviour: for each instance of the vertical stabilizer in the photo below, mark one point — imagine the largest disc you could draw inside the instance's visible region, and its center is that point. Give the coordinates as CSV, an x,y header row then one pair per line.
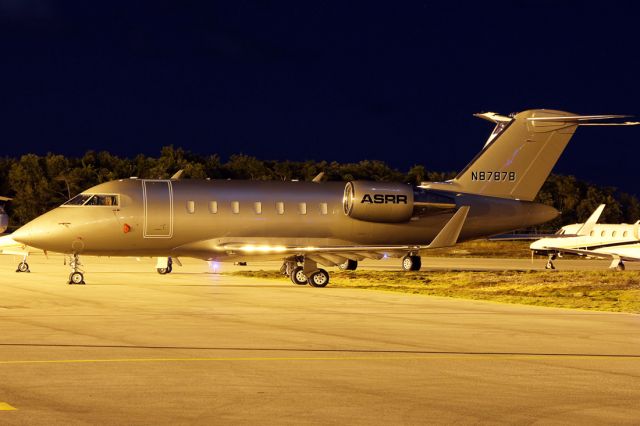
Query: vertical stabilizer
x,y
517,160
520,153
588,225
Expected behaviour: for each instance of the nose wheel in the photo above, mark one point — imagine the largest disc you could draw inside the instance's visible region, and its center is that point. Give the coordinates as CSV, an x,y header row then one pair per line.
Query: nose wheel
x,y
76,276
23,267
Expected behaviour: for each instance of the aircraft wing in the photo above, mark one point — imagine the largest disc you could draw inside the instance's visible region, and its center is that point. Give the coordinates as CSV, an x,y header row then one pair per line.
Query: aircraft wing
x,y
623,253
329,255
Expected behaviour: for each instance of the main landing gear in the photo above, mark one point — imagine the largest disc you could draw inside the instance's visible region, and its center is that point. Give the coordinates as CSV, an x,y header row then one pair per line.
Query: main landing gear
x,y
550,260
164,265
302,270
76,276
305,271
411,262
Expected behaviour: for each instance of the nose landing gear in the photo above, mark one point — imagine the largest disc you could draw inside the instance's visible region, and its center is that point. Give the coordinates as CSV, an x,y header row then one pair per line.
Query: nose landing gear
x,y
23,267
76,276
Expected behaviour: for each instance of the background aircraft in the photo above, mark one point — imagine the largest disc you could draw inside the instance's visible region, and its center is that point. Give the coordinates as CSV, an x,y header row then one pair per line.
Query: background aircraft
x,y
618,242
4,218
307,224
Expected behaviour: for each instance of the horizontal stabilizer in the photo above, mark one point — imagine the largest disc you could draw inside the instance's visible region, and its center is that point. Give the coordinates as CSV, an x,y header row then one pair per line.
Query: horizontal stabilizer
x,y
562,118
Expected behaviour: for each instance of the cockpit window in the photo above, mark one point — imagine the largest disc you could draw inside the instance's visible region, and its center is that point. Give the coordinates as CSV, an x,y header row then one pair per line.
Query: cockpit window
x,y
78,200
93,200
102,200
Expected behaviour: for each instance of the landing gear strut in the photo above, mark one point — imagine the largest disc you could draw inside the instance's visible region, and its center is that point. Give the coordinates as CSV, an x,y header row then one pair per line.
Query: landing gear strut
x,y
76,277
550,264
411,263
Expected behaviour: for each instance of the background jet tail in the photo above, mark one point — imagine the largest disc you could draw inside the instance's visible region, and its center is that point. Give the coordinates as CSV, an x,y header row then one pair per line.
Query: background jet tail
x,y
520,153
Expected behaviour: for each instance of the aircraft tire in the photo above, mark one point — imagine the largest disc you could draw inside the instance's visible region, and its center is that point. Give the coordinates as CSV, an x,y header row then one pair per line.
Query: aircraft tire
x,y
298,277
411,263
76,278
162,271
349,265
169,268
620,266
23,267
319,278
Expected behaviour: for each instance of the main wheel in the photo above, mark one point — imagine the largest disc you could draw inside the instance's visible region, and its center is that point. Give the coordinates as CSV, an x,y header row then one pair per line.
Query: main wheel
x,y
319,278
76,278
23,267
549,265
411,263
620,266
162,271
349,265
169,268
298,277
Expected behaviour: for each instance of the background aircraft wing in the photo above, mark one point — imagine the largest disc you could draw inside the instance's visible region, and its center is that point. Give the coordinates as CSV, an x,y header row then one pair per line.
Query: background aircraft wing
x,y
625,253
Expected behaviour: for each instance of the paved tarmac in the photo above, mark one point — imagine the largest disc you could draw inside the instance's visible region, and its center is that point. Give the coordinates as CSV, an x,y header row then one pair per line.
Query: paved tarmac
x,y
195,346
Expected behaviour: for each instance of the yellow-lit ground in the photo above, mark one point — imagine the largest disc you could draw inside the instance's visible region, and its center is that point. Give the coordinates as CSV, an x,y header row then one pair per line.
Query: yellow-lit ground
x,y
135,347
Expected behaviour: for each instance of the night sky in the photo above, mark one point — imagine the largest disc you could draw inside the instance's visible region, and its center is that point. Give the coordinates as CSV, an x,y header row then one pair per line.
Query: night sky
x,y
394,81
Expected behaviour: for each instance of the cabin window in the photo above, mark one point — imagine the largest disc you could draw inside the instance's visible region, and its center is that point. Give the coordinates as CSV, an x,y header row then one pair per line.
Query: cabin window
x,y
191,207
280,207
235,207
257,206
602,234
613,234
302,208
625,233
592,233
323,208
213,207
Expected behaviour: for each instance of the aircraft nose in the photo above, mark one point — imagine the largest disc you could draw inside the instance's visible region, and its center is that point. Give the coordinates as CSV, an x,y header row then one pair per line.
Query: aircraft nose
x,y
34,234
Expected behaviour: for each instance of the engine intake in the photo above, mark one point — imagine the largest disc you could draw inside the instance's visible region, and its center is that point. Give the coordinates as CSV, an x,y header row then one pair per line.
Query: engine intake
x,y
378,201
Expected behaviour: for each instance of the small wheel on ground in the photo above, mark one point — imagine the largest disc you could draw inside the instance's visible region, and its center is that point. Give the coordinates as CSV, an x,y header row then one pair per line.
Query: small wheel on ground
x,y
162,271
349,265
319,278
76,278
549,265
411,263
169,268
620,266
23,267
298,277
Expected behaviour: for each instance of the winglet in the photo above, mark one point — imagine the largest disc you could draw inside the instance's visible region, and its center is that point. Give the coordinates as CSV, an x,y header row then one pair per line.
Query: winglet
x,y
318,178
448,236
588,225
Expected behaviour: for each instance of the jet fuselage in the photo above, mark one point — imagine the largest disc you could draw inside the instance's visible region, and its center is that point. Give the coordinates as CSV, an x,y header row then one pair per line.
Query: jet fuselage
x,y
207,218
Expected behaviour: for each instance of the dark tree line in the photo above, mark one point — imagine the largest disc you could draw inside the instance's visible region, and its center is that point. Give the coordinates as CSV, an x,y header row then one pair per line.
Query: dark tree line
x,y
39,183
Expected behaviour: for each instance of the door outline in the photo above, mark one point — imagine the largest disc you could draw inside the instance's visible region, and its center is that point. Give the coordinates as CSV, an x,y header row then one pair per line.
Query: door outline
x,y
144,202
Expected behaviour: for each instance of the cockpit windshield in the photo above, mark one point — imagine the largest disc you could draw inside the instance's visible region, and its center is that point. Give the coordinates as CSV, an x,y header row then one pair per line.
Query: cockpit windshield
x,y
93,200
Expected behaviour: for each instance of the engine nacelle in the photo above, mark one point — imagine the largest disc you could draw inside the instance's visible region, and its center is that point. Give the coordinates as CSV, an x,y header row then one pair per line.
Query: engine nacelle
x,y
378,201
